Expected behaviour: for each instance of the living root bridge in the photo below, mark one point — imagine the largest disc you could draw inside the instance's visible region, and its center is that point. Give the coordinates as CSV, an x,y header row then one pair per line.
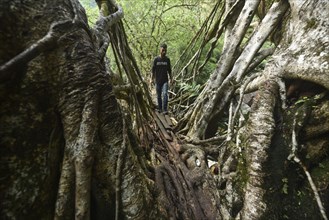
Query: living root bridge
x,y
183,178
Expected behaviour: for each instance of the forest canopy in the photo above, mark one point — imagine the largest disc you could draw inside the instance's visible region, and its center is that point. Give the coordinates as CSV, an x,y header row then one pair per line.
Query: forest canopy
x,y
150,23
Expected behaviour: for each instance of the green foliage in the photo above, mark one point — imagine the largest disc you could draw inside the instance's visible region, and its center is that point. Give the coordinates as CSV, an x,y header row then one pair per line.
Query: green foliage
x,y
301,100
149,23
212,63
320,174
285,185
193,89
91,11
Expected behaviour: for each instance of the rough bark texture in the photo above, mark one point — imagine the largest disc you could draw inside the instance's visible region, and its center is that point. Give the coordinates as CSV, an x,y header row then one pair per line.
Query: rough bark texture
x,y
260,131
62,129
282,162
304,51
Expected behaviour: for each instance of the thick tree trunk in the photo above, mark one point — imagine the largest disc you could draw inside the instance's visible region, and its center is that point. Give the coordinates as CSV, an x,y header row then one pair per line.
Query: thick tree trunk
x,y
282,167
259,131
64,142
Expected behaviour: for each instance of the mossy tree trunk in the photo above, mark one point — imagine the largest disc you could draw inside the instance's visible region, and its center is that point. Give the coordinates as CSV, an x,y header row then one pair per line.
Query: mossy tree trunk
x,y
66,148
266,170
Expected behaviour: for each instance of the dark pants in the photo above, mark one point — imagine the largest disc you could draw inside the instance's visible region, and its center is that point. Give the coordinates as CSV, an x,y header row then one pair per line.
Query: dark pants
x,y
162,91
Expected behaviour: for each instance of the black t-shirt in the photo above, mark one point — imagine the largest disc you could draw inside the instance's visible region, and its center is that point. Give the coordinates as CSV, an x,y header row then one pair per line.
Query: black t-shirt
x,y
160,69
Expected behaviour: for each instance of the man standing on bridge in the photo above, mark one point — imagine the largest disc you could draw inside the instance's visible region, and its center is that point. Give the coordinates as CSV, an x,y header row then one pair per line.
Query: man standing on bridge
x,y
160,70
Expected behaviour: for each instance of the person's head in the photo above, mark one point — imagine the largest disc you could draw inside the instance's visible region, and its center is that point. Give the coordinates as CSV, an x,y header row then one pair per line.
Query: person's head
x,y
163,50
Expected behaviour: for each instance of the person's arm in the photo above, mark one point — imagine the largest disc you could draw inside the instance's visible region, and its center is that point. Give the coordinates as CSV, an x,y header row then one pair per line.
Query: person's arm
x,y
153,71
169,71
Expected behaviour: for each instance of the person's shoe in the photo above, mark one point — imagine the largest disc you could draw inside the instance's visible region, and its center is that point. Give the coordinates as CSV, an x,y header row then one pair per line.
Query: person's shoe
x,y
158,110
165,112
